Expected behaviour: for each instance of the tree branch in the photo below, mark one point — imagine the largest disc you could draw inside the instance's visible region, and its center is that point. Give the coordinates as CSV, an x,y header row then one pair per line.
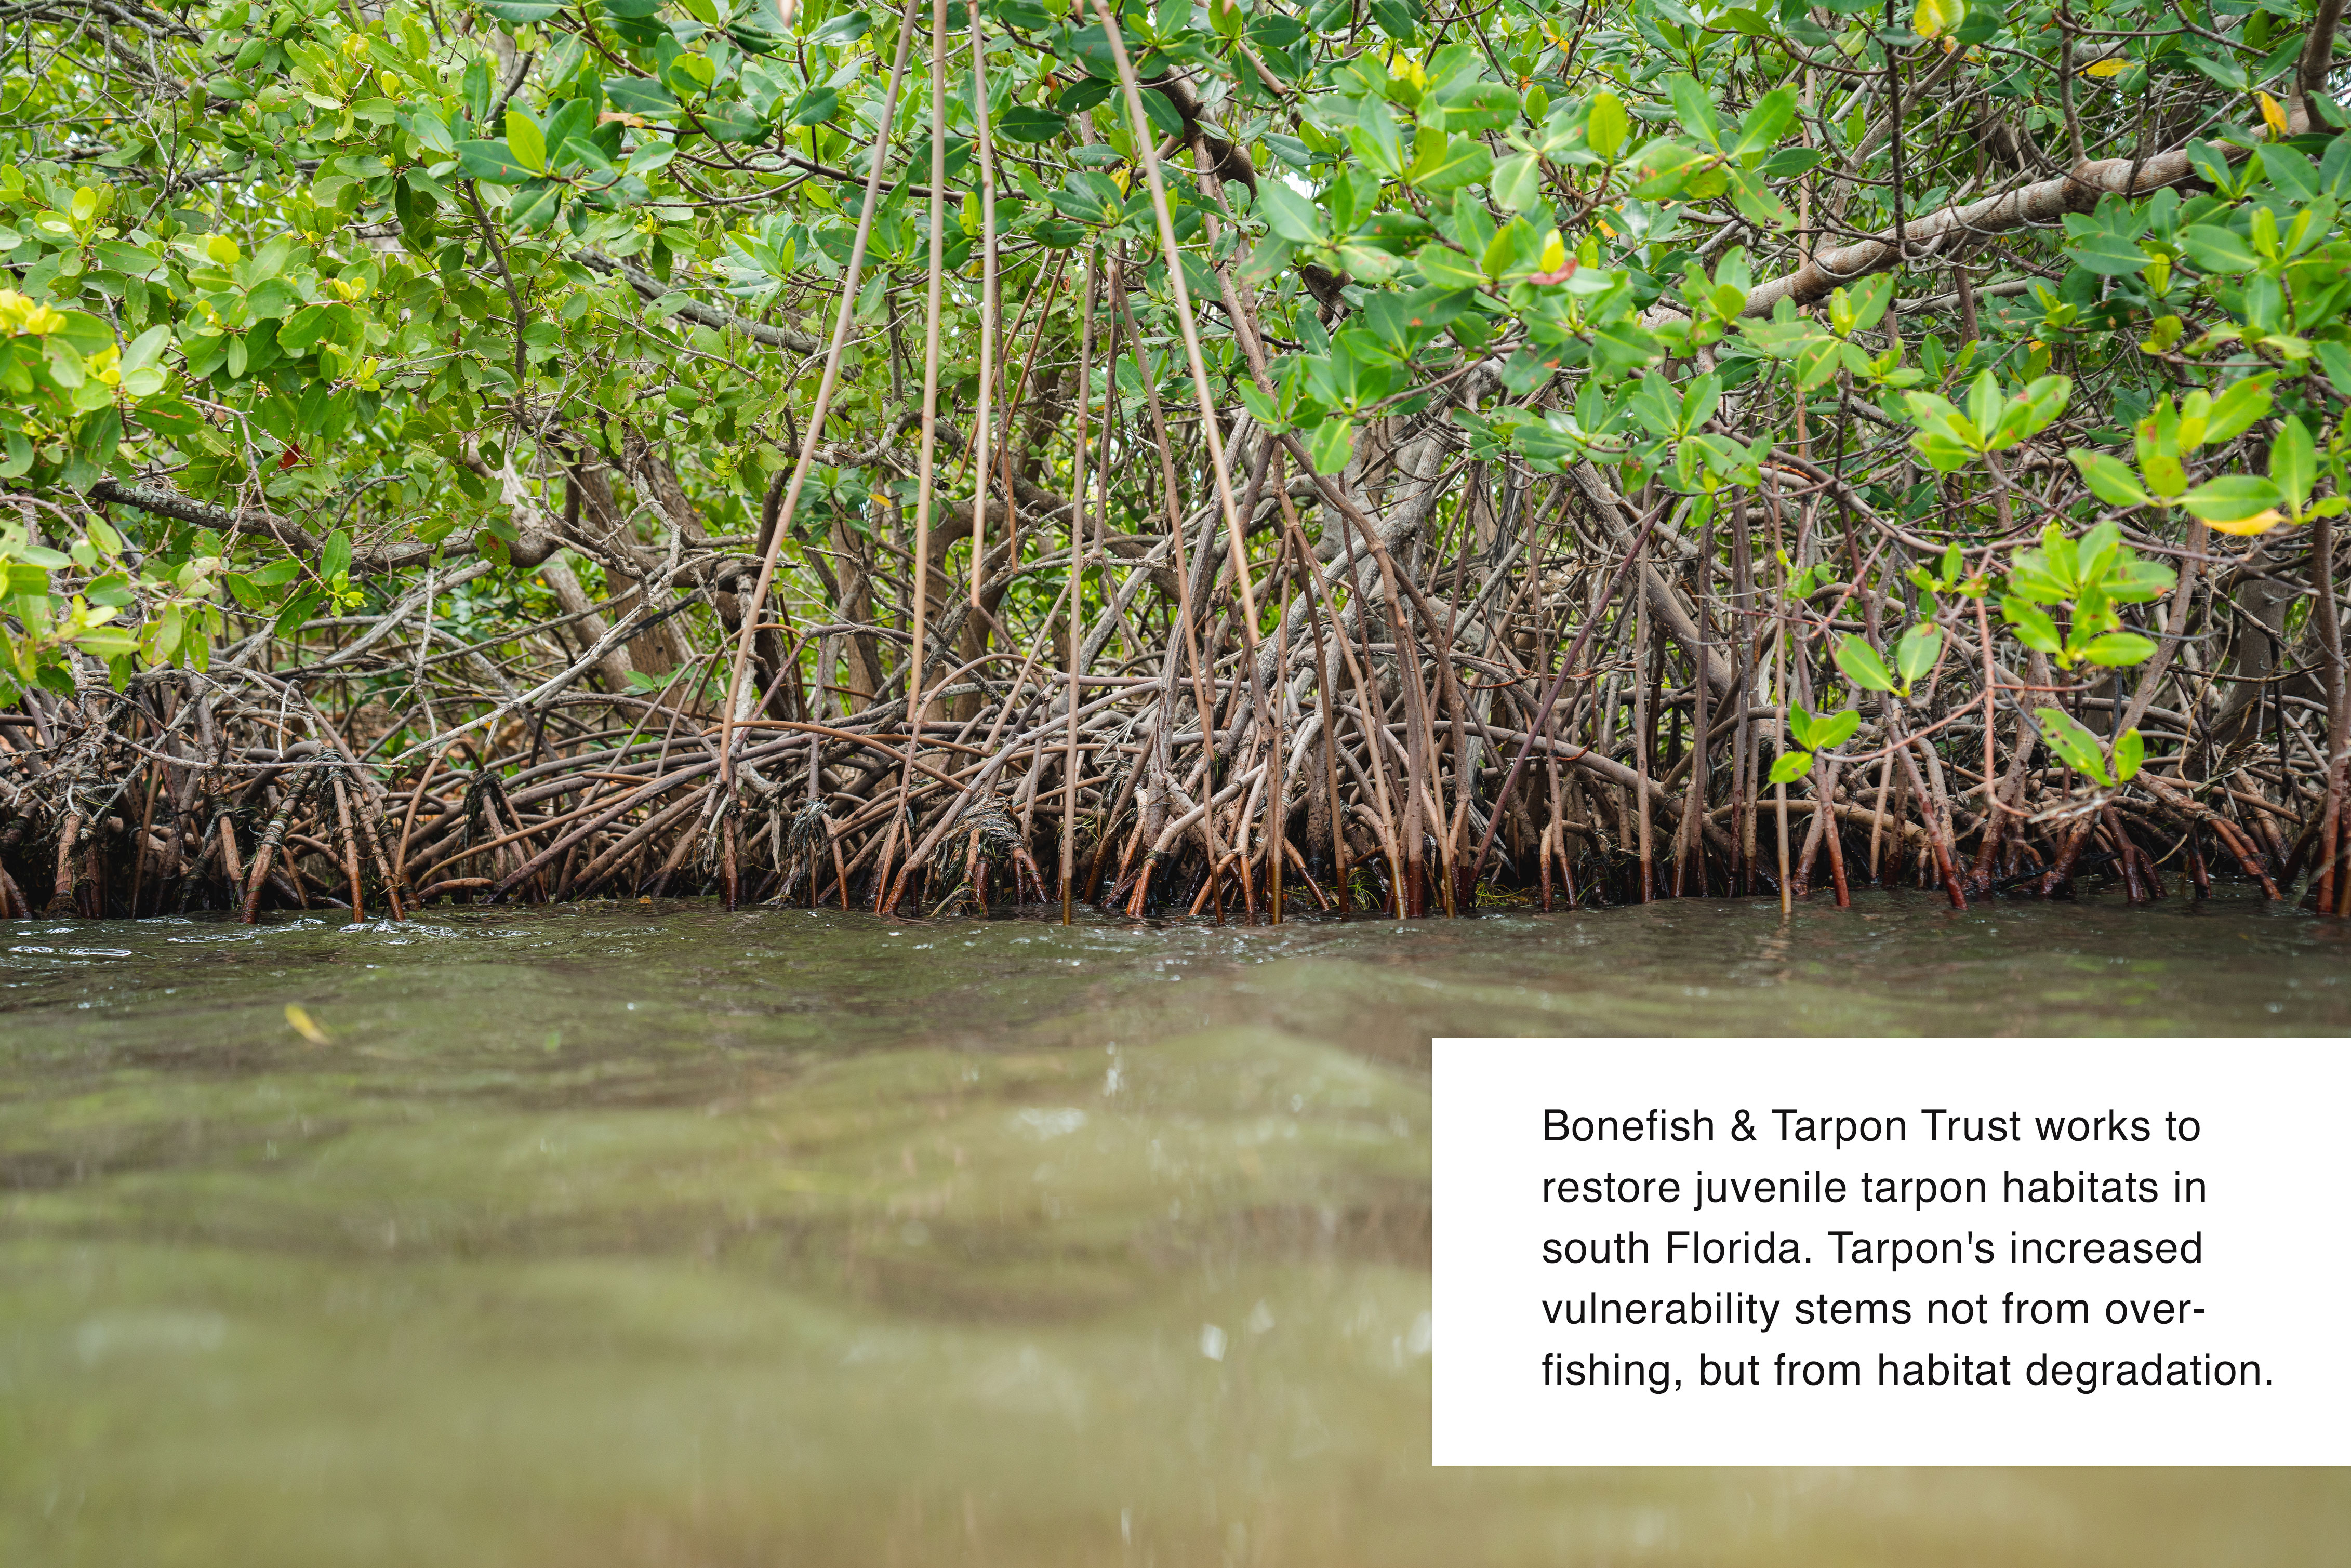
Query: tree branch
x,y
701,315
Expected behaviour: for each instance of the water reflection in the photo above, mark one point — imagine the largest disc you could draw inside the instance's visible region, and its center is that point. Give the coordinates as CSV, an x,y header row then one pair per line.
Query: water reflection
x,y
659,1235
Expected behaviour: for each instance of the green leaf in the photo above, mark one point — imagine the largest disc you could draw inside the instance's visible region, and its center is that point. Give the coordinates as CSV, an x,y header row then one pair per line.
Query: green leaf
x,y
1261,405
1834,730
733,123
1027,122
433,134
1502,249
2228,73
638,95
1862,665
1623,346
171,417
2164,476
1929,411
1756,203
146,349
2231,499
1767,122
1694,108
298,609
1916,653
1161,112
2115,649
1288,214
535,206
2095,552
651,156
272,300
1933,18
1462,161
845,28
2108,254
1868,300
2216,249
2130,754
819,105
2133,579
335,559
1791,767
1985,404
491,163
1375,138
1478,106
1800,726
526,142
2292,465
1446,268
1789,161
2234,410
1516,183
1272,30
2075,746
1082,94
2334,358
2109,478
2031,408
1605,126
106,641
1331,445
302,331
1817,360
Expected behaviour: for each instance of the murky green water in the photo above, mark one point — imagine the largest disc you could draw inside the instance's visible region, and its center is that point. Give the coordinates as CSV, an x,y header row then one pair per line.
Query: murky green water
x,y
647,1235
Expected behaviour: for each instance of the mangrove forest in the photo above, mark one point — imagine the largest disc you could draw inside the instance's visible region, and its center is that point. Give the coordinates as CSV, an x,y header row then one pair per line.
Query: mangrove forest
x,y
1224,459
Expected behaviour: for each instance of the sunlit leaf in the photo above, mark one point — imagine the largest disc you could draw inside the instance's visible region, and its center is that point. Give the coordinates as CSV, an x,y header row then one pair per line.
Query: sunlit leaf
x,y
2075,746
1605,127
1916,653
1862,665
2109,478
2233,500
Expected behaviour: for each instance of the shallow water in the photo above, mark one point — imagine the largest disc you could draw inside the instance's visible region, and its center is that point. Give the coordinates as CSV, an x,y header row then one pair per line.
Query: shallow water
x,y
647,1236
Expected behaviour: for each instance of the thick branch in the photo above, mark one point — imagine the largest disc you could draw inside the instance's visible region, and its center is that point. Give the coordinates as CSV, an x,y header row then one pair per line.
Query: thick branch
x,y
2043,202
701,315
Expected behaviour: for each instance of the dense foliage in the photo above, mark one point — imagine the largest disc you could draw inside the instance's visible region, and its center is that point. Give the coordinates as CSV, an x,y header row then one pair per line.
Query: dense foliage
x,y
1708,401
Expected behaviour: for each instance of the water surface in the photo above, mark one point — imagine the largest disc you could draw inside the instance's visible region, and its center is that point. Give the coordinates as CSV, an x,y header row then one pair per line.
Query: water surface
x,y
656,1236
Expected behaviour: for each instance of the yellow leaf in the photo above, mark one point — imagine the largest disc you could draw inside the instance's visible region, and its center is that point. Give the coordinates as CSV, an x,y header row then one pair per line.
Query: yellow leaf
x,y
2113,66
21,313
1933,18
2273,116
1554,253
301,1024
2261,524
